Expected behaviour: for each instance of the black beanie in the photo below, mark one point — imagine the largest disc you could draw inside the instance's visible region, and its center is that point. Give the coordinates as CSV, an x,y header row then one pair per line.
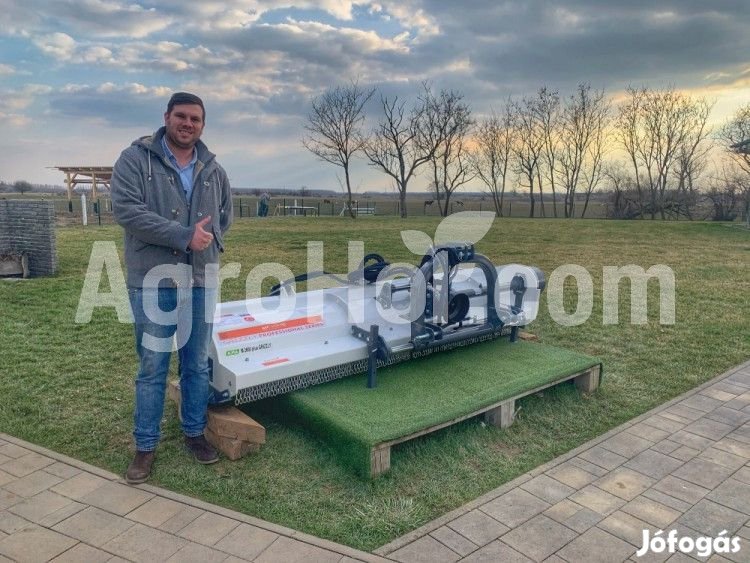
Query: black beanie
x,y
180,98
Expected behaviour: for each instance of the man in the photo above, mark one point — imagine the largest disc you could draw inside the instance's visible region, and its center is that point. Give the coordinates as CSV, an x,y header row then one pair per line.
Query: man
x,y
173,200
263,206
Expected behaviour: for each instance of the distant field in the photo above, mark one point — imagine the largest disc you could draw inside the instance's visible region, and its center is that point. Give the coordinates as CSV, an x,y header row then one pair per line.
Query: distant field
x,y
70,387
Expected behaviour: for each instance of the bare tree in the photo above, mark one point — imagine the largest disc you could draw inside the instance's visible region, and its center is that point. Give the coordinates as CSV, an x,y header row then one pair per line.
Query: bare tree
x,y
548,117
334,127
692,157
529,146
624,202
584,122
656,126
724,201
630,135
398,146
446,124
492,158
735,136
729,193
594,172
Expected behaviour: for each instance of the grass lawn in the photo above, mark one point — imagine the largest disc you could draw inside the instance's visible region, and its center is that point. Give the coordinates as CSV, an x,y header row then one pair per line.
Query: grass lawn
x,y
70,387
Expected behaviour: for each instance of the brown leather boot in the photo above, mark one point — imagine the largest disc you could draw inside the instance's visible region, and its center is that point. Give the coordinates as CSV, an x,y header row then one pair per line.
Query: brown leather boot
x,y
202,451
139,469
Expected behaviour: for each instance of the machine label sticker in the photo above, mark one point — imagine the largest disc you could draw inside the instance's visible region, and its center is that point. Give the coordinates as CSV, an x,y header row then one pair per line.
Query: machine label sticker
x,y
292,325
275,361
248,349
233,319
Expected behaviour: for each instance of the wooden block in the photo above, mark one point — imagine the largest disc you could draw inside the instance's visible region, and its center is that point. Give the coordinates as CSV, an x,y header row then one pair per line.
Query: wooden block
x,y
502,415
231,422
380,460
588,382
226,420
232,449
523,335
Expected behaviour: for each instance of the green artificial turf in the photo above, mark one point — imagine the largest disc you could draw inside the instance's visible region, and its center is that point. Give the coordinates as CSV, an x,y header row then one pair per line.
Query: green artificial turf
x,y
424,392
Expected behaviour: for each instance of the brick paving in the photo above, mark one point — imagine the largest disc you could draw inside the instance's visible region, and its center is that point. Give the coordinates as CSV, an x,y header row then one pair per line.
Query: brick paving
x,y
53,508
684,466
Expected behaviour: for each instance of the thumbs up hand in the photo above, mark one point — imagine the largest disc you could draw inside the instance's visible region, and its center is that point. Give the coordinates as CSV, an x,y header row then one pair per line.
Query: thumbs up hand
x,y
201,238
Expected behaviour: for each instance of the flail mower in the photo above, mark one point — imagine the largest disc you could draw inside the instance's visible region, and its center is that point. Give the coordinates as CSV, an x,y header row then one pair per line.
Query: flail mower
x,y
376,316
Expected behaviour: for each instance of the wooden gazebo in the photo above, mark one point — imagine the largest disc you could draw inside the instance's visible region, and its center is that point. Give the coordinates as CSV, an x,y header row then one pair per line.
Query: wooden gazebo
x,y
95,176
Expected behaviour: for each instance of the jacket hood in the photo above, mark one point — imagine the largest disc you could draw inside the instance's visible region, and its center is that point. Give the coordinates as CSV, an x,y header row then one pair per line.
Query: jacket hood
x,y
152,143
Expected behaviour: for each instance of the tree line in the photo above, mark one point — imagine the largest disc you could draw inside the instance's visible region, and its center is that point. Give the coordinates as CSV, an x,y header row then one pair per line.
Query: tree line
x,y
19,186
558,149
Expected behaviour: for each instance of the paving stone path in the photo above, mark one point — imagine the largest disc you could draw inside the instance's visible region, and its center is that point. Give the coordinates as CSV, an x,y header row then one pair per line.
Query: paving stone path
x,y
684,466
54,508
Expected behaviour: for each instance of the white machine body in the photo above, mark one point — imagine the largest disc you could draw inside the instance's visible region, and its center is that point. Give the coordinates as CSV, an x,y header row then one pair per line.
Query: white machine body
x,y
271,343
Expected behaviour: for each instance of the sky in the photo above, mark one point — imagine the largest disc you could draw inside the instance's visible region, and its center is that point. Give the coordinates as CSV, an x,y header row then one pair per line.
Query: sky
x,y
81,79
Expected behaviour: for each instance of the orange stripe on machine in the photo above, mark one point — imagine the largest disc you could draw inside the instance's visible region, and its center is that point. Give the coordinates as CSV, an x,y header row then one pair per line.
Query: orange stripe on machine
x,y
301,322
275,361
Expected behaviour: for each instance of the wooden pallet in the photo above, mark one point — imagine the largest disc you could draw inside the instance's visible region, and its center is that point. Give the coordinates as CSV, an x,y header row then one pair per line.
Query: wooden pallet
x,y
499,414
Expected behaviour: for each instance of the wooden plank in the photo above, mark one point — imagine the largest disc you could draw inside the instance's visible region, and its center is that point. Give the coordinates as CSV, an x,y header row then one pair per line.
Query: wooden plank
x,y
380,460
232,449
231,422
501,416
589,381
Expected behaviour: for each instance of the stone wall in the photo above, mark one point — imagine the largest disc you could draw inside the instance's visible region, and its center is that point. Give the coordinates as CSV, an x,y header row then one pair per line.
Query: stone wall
x,y
28,226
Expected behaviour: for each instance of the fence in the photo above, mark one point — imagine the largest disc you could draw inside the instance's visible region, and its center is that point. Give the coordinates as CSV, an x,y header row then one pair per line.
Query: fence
x,y
248,206
100,210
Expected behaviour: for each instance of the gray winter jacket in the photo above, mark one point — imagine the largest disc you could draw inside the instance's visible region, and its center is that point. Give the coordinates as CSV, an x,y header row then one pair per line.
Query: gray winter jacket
x,y
149,202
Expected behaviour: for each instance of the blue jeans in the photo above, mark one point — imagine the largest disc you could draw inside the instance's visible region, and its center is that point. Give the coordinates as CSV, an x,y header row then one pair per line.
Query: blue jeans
x,y
180,313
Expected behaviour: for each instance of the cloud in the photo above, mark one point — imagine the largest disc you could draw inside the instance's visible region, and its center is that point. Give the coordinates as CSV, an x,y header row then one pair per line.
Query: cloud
x,y
60,46
737,76
14,119
135,56
92,18
307,52
13,100
519,47
65,49
257,63
109,103
315,54
413,16
173,57
113,19
229,14
15,104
